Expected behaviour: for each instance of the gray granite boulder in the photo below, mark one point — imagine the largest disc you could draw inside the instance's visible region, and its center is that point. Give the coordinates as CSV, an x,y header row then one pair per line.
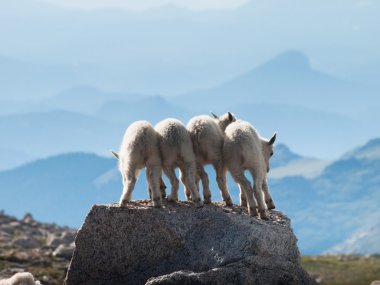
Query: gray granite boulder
x,y
182,244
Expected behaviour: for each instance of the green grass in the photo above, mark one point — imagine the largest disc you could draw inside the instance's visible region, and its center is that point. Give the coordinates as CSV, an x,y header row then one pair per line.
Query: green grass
x,y
344,269
54,273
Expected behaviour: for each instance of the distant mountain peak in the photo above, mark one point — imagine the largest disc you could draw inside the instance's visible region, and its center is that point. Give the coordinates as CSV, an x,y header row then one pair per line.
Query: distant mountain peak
x,y
283,155
288,60
364,241
371,151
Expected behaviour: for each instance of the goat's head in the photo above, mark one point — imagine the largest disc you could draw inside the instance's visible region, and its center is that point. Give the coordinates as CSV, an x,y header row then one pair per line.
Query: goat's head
x,y
224,120
267,149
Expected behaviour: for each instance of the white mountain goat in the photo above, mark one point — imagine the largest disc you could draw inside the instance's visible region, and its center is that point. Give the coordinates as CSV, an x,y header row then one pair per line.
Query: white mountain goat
x,y
244,149
21,278
177,151
207,135
140,149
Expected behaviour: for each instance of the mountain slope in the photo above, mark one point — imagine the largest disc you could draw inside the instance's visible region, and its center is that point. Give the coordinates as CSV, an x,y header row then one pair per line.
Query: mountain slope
x,y
364,241
285,79
58,189
370,151
313,133
11,158
332,206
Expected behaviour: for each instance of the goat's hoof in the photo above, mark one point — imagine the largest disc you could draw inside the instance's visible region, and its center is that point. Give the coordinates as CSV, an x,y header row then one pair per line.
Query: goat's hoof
x,y
270,205
123,203
157,203
263,215
228,202
199,204
207,200
172,199
253,213
188,198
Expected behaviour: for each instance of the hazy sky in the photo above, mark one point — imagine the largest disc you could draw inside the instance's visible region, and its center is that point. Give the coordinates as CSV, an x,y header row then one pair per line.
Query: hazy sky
x,y
146,4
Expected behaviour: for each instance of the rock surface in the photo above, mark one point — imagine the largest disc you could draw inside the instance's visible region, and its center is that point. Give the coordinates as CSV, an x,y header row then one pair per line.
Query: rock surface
x,y
181,244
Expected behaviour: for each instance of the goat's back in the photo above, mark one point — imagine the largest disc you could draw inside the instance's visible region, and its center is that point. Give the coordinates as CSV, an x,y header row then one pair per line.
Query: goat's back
x,y
174,140
241,144
140,143
207,137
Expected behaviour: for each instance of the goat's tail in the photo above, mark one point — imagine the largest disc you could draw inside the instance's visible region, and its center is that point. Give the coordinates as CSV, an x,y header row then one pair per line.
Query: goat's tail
x,y
115,154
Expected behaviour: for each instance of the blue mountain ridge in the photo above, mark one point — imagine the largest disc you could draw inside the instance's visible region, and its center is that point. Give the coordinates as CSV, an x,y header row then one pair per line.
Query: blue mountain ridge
x,y
318,112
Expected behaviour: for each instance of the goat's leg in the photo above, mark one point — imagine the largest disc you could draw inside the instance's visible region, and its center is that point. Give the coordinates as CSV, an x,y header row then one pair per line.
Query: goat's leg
x,y
189,169
239,177
153,175
162,187
170,173
268,196
205,183
221,179
258,191
243,198
129,181
182,176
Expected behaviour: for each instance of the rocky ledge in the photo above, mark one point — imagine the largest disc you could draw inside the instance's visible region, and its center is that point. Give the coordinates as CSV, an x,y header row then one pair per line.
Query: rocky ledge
x,y
181,244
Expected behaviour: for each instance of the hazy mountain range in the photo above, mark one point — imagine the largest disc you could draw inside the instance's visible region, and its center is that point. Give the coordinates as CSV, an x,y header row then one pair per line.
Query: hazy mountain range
x,y
325,210
84,118
106,68
171,49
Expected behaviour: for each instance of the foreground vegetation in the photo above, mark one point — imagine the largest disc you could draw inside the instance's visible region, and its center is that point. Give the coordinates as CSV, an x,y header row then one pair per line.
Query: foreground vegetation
x,y
343,269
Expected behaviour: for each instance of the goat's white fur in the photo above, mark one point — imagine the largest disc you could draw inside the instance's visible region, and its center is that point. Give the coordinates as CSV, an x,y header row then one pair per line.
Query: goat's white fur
x,y
244,149
177,151
22,278
140,149
207,135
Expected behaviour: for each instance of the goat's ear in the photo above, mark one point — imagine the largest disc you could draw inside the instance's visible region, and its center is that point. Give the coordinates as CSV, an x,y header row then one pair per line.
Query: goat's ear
x,y
273,139
230,117
215,116
115,154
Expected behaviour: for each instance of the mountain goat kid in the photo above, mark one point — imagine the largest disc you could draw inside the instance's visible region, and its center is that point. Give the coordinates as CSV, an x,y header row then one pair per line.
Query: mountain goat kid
x,y
207,135
177,151
244,150
139,149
